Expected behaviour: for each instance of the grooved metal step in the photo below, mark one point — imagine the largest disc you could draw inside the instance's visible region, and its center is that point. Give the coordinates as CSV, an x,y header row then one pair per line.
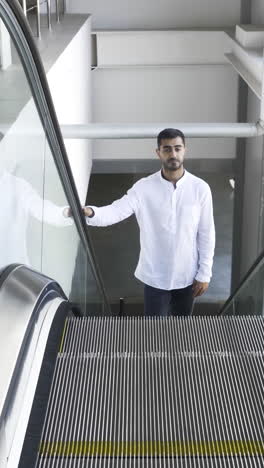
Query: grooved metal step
x,y
157,392
142,335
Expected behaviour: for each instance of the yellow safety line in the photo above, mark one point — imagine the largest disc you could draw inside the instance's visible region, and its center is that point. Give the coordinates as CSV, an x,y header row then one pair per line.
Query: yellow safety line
x,y
63,335
153,448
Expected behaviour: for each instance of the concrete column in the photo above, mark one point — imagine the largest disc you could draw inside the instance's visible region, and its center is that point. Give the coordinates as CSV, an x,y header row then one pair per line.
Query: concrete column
x,y
239,188
245,18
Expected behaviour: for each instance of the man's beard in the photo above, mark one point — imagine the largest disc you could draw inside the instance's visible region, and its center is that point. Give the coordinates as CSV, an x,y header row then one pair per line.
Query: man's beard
x,y
172,164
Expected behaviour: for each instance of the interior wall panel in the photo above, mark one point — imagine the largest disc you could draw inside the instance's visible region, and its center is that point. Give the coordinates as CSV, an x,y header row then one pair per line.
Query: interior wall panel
x,y
167,94
155,14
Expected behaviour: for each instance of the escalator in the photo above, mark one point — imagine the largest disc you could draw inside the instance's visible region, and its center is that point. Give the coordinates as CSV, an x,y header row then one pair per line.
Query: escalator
x,y
117,391
82,388
139,394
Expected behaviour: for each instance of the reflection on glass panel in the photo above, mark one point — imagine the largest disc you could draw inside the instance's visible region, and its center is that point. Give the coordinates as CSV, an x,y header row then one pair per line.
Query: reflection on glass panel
x,y
21,167
63,256
230,309
84,290
249,300
14,90
33,227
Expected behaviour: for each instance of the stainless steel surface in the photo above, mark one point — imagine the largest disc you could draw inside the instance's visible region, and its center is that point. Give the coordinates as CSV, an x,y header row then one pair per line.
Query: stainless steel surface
x,y
19,409
202,335
33,5
38,18
58,9
132,392
48,14
119,130
24,3
20,305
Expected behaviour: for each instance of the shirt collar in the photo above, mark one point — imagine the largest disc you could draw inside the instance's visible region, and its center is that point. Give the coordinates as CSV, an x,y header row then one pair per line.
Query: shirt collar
x,y
178,183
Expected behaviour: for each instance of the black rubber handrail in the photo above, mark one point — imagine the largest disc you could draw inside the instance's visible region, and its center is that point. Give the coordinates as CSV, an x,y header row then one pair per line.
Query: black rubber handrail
x,y
12,15
4,272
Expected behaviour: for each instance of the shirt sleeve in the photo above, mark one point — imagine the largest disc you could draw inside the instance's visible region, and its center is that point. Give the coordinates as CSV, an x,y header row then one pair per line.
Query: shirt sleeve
x,y
44,210
206,238
116,212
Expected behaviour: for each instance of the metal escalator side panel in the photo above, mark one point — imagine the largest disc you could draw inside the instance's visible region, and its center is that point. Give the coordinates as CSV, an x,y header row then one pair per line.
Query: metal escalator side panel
x,y
22,296
23,394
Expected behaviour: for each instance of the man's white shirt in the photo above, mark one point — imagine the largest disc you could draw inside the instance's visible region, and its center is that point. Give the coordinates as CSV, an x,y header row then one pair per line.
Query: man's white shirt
x,y
177,233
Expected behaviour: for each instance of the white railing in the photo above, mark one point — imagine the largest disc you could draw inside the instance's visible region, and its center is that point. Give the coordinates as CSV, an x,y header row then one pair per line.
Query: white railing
x,y
147,130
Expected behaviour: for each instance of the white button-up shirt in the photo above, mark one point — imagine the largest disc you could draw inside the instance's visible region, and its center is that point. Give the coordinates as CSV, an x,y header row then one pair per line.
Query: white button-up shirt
x,y
177,234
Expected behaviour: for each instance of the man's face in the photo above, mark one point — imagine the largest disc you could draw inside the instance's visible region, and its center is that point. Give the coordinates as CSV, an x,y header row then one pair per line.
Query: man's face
x,y
171,153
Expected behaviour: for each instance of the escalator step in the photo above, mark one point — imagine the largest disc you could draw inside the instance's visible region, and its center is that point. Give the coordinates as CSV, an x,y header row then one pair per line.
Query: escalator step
x,y
149,392
171,335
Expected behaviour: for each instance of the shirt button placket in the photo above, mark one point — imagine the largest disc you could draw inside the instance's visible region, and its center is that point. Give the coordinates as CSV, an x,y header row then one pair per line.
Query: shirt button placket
x,y
174,209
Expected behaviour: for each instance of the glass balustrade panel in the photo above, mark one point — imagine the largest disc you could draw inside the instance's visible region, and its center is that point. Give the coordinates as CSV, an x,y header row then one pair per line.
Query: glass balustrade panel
x,y
33,228
22,147
249,299
63,254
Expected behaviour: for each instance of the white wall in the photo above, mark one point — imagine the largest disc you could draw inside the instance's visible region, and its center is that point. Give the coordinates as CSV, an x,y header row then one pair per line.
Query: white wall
x,y
70,84
164,94
154,14
173,47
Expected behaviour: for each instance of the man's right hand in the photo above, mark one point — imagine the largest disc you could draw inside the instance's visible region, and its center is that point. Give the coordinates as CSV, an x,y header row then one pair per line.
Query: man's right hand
x,y
87,211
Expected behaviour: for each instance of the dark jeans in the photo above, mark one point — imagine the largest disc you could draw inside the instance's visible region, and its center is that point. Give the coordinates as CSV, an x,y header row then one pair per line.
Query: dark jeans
x,y
160,302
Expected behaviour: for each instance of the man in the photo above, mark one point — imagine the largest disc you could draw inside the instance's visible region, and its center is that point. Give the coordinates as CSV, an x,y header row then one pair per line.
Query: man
x,y
177,236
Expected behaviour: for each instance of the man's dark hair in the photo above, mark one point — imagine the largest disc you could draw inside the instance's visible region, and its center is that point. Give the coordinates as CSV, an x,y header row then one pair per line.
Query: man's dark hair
x,y
169,133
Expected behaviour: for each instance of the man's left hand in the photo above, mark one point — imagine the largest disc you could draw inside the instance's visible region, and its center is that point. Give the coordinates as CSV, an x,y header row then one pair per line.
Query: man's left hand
x,y
199,288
